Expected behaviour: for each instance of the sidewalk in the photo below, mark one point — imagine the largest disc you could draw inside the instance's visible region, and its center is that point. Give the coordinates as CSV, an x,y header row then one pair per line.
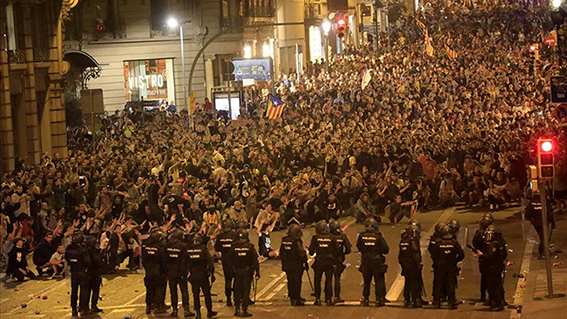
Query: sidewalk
x,y
536,305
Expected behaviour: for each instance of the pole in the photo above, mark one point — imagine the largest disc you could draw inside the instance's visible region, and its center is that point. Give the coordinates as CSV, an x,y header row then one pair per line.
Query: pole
x,y
375,37
542,189
327,52
183,67
297,62
228,86
388,26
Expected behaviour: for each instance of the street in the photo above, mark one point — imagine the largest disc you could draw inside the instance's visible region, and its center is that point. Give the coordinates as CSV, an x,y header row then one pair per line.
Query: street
x,y
123,294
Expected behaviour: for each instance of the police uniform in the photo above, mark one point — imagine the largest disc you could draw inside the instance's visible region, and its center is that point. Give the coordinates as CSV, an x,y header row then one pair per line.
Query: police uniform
x,y
409,257
294,261
494,257
479,244
223,243
324,245
94,278
77,257
433,241
154,262
243,261
343,248
446,254
373,247
200,264
177,272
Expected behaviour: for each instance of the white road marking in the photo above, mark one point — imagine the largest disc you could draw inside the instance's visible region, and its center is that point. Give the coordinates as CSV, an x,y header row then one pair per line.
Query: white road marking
x,y
398,285
4,300
41,293
122,310
521,285
272,294
142,294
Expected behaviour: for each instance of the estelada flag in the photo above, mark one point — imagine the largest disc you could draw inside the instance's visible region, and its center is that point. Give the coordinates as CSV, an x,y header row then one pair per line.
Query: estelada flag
x,y
275,108
450,53
428,46
366,77
420,24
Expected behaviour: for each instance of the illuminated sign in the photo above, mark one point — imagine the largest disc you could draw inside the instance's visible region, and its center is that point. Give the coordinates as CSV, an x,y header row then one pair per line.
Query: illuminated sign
x,y
149,80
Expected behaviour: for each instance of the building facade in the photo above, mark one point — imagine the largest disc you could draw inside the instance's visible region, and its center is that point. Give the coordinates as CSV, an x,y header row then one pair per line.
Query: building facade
x,y
32,73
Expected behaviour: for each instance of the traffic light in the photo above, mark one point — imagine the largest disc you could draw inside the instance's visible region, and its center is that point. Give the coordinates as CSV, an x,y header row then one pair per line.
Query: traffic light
x,y
534,50
545,158
341,26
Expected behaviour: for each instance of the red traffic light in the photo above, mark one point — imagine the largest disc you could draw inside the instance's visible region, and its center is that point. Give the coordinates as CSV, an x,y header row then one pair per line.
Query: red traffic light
x,y
533,48
546,146
341,22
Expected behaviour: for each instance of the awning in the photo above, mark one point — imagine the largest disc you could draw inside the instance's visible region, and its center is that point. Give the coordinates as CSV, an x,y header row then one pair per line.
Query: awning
x,y
80,59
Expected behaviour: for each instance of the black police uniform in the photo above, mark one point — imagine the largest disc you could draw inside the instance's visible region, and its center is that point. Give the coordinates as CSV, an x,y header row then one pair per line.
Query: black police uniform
x,y
243,261
325,246
223,243
446,254
373,247
294,261
154,262
177,274
479,244
94,279
409,257
77,257
494,256
534,215
200,264
343,248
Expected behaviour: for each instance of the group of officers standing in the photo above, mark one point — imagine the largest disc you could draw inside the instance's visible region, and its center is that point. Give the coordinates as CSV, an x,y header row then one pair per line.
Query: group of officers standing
x,y
177,258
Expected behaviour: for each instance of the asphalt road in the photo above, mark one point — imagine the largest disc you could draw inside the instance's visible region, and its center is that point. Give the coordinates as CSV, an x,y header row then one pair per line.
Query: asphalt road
x,y
123,294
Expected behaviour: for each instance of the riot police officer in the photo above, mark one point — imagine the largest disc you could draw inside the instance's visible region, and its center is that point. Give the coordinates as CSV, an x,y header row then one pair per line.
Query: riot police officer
x,y
222,245
494,257
373,247
201,267
446,253
243,261
177,272
433,241
154,262
324,245
454,227
294,261
479,244
77,257
94,272
343,249
409,258
416,223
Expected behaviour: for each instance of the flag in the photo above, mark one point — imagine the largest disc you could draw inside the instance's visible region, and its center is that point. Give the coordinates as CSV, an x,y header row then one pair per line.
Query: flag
x,y
428,46
450,53
420,24
366,77
275,108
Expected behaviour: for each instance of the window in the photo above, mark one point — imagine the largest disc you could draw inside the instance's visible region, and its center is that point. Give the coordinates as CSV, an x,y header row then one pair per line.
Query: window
x,y
149,80
11,27
158,13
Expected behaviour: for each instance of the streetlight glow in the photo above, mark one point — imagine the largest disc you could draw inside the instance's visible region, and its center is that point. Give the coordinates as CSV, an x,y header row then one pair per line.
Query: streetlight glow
x,y
266,52
556,3
326,26
172,23
247,52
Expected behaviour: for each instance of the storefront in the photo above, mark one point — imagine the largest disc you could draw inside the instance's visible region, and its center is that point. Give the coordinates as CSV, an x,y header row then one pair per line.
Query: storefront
x,y
150,80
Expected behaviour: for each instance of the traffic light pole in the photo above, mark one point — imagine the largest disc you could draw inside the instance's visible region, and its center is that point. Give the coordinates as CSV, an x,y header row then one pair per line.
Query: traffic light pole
x,y
542,192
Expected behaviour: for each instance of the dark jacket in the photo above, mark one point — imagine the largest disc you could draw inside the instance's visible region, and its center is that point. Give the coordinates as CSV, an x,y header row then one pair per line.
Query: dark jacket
x,y
325,246
77,256
343,246
243,257
373,247
42,253
154,259
224,242
293,254
175,258
199,260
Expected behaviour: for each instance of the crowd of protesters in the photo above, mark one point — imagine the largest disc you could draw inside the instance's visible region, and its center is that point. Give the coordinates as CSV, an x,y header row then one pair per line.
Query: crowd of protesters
x,y
426,131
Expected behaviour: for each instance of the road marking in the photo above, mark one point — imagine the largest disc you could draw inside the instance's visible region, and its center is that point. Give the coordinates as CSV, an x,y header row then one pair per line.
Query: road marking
x,y
398,285
135,298
41,293
122,310
4,300
521,285
272,294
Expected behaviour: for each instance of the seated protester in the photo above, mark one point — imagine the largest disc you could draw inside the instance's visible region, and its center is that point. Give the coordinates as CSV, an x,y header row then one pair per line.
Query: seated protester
x,y
493,196
57,262
407,189
399,209
501,181
237,212
42,254
364,209
474,193
330,207
194,213
17,261
293,212
211,222
447,195
265,224
422,193
513,188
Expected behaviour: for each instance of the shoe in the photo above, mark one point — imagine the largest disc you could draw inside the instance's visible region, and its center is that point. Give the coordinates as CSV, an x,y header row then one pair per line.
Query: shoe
x,y
411,305
97,310
237,313
406,304
198,315
424,303
302,299
160,311
339,300
188,313
229,302
366,303
75,313
497,308
417,303
86,313
453,305
297,303
166,307
148,310
437,304
329,302
246,314
174,313
211,314
317,302
380,304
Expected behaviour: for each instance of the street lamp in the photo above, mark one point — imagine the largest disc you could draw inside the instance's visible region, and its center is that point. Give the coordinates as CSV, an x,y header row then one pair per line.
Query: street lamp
x,y
556,3
326,29
173,23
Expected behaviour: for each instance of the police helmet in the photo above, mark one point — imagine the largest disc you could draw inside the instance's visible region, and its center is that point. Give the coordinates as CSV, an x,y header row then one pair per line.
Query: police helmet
x,y
77,237
412,231
335,226
322,227
445,232
227,224
485,221
241,225
197,239
416,223
155,236
91,242
454,225
295,231
438,227
242,235
491,233
371,224
178,234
